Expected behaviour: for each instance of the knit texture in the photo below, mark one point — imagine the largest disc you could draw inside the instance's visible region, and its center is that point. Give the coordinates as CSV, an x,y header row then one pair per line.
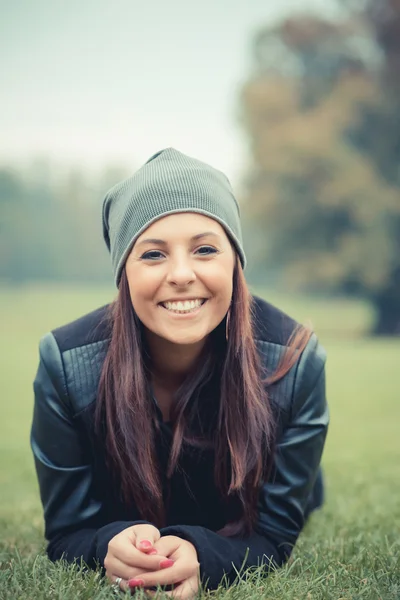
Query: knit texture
x,y
169,182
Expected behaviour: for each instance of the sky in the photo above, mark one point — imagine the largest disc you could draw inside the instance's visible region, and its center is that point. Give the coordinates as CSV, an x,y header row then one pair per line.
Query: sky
x,y
96,82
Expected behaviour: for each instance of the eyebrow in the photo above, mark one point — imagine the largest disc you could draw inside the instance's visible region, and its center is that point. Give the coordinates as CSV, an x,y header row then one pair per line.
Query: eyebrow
x,y
164,243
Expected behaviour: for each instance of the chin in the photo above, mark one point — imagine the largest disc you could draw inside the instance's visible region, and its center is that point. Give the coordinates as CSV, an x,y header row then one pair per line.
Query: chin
x,y
185,339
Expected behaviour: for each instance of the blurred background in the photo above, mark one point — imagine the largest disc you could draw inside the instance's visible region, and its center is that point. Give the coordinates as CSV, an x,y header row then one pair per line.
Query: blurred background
x,y
299,104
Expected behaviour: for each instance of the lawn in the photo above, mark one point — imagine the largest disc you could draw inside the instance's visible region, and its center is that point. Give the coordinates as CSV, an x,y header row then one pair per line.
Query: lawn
x,y
350,550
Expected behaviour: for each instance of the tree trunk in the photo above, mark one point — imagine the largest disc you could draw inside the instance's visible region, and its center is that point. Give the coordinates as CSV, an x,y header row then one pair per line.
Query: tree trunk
x,y
387,306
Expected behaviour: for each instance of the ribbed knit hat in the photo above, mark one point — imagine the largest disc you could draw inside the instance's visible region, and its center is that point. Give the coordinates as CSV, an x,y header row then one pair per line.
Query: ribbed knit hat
x,y
169,182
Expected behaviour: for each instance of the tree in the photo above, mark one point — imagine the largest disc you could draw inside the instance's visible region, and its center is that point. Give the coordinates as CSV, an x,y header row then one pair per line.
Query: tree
x,y
50,226
321,187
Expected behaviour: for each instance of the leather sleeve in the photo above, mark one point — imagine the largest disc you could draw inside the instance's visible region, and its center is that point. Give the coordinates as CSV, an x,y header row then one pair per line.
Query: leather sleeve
x,y
73,517
283,499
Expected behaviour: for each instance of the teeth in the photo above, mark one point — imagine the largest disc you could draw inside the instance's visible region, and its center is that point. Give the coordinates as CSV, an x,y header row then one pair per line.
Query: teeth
x,y
183,306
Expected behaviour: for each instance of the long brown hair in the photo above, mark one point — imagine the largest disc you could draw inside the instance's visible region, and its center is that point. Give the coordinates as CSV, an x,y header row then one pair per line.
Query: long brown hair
x,y
243,435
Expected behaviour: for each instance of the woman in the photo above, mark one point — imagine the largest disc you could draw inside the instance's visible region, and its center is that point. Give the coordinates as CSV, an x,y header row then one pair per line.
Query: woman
x,y
178,432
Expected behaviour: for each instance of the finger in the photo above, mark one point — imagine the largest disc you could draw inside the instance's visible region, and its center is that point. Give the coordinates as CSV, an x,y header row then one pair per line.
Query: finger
x,y
126,572
119,583
118,568
184,590
132,557
167,545
167,576
146,537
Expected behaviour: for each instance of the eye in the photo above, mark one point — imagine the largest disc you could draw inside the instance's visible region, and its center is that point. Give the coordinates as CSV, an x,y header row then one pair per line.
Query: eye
x,y
206,250
152,255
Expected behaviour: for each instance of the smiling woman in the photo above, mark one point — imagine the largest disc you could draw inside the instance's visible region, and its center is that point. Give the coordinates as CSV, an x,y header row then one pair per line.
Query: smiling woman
x,y
178,432
181,265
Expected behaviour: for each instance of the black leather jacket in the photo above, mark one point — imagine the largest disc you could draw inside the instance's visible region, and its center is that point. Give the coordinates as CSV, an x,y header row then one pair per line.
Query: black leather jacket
x,y
83,512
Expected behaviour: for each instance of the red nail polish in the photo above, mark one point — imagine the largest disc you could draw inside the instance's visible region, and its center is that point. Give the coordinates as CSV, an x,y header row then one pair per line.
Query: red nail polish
x,y
146,544
167,562
154,551
135,582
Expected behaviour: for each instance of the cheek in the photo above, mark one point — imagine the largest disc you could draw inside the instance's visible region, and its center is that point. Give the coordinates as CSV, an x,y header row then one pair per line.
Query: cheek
x,y
142,288
221,287
220,280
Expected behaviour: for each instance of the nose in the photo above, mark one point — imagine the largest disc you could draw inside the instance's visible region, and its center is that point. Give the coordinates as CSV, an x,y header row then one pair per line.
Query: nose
x,y
180,272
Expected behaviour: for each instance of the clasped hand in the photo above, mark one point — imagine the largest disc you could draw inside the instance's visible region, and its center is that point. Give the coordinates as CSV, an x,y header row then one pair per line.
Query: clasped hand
x,y
140,557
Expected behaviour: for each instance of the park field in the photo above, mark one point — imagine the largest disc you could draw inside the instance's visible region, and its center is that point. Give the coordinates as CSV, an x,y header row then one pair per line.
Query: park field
x,y
349,550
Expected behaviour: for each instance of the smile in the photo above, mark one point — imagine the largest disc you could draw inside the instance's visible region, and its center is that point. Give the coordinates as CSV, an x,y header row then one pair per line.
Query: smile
x,y
184,306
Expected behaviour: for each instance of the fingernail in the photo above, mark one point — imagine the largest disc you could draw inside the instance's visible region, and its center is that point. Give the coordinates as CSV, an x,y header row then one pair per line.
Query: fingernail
x,y
135,582
146,544
167,562
154,551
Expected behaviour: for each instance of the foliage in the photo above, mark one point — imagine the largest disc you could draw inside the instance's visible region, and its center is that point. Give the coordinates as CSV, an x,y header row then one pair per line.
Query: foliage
x,y
324,186
350,549
50,225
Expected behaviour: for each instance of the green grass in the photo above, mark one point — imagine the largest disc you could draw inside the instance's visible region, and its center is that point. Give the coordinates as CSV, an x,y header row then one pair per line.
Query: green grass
x,y
350,550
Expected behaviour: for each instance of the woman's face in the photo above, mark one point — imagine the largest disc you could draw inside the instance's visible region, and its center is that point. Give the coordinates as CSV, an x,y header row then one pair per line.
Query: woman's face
x,y
180,274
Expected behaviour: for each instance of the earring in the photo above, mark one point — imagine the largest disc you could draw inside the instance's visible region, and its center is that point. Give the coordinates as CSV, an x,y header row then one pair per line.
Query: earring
x,y
228,314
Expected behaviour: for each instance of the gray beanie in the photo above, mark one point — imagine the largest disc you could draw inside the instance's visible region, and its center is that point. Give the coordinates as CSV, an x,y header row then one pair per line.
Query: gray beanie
x,y
169,182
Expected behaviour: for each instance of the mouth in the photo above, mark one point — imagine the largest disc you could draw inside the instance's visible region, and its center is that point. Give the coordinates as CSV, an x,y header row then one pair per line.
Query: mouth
x,y
184,307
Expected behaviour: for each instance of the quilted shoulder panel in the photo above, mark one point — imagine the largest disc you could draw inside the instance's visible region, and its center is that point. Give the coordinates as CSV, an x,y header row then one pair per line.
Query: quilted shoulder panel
x,y
280,393
83,367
